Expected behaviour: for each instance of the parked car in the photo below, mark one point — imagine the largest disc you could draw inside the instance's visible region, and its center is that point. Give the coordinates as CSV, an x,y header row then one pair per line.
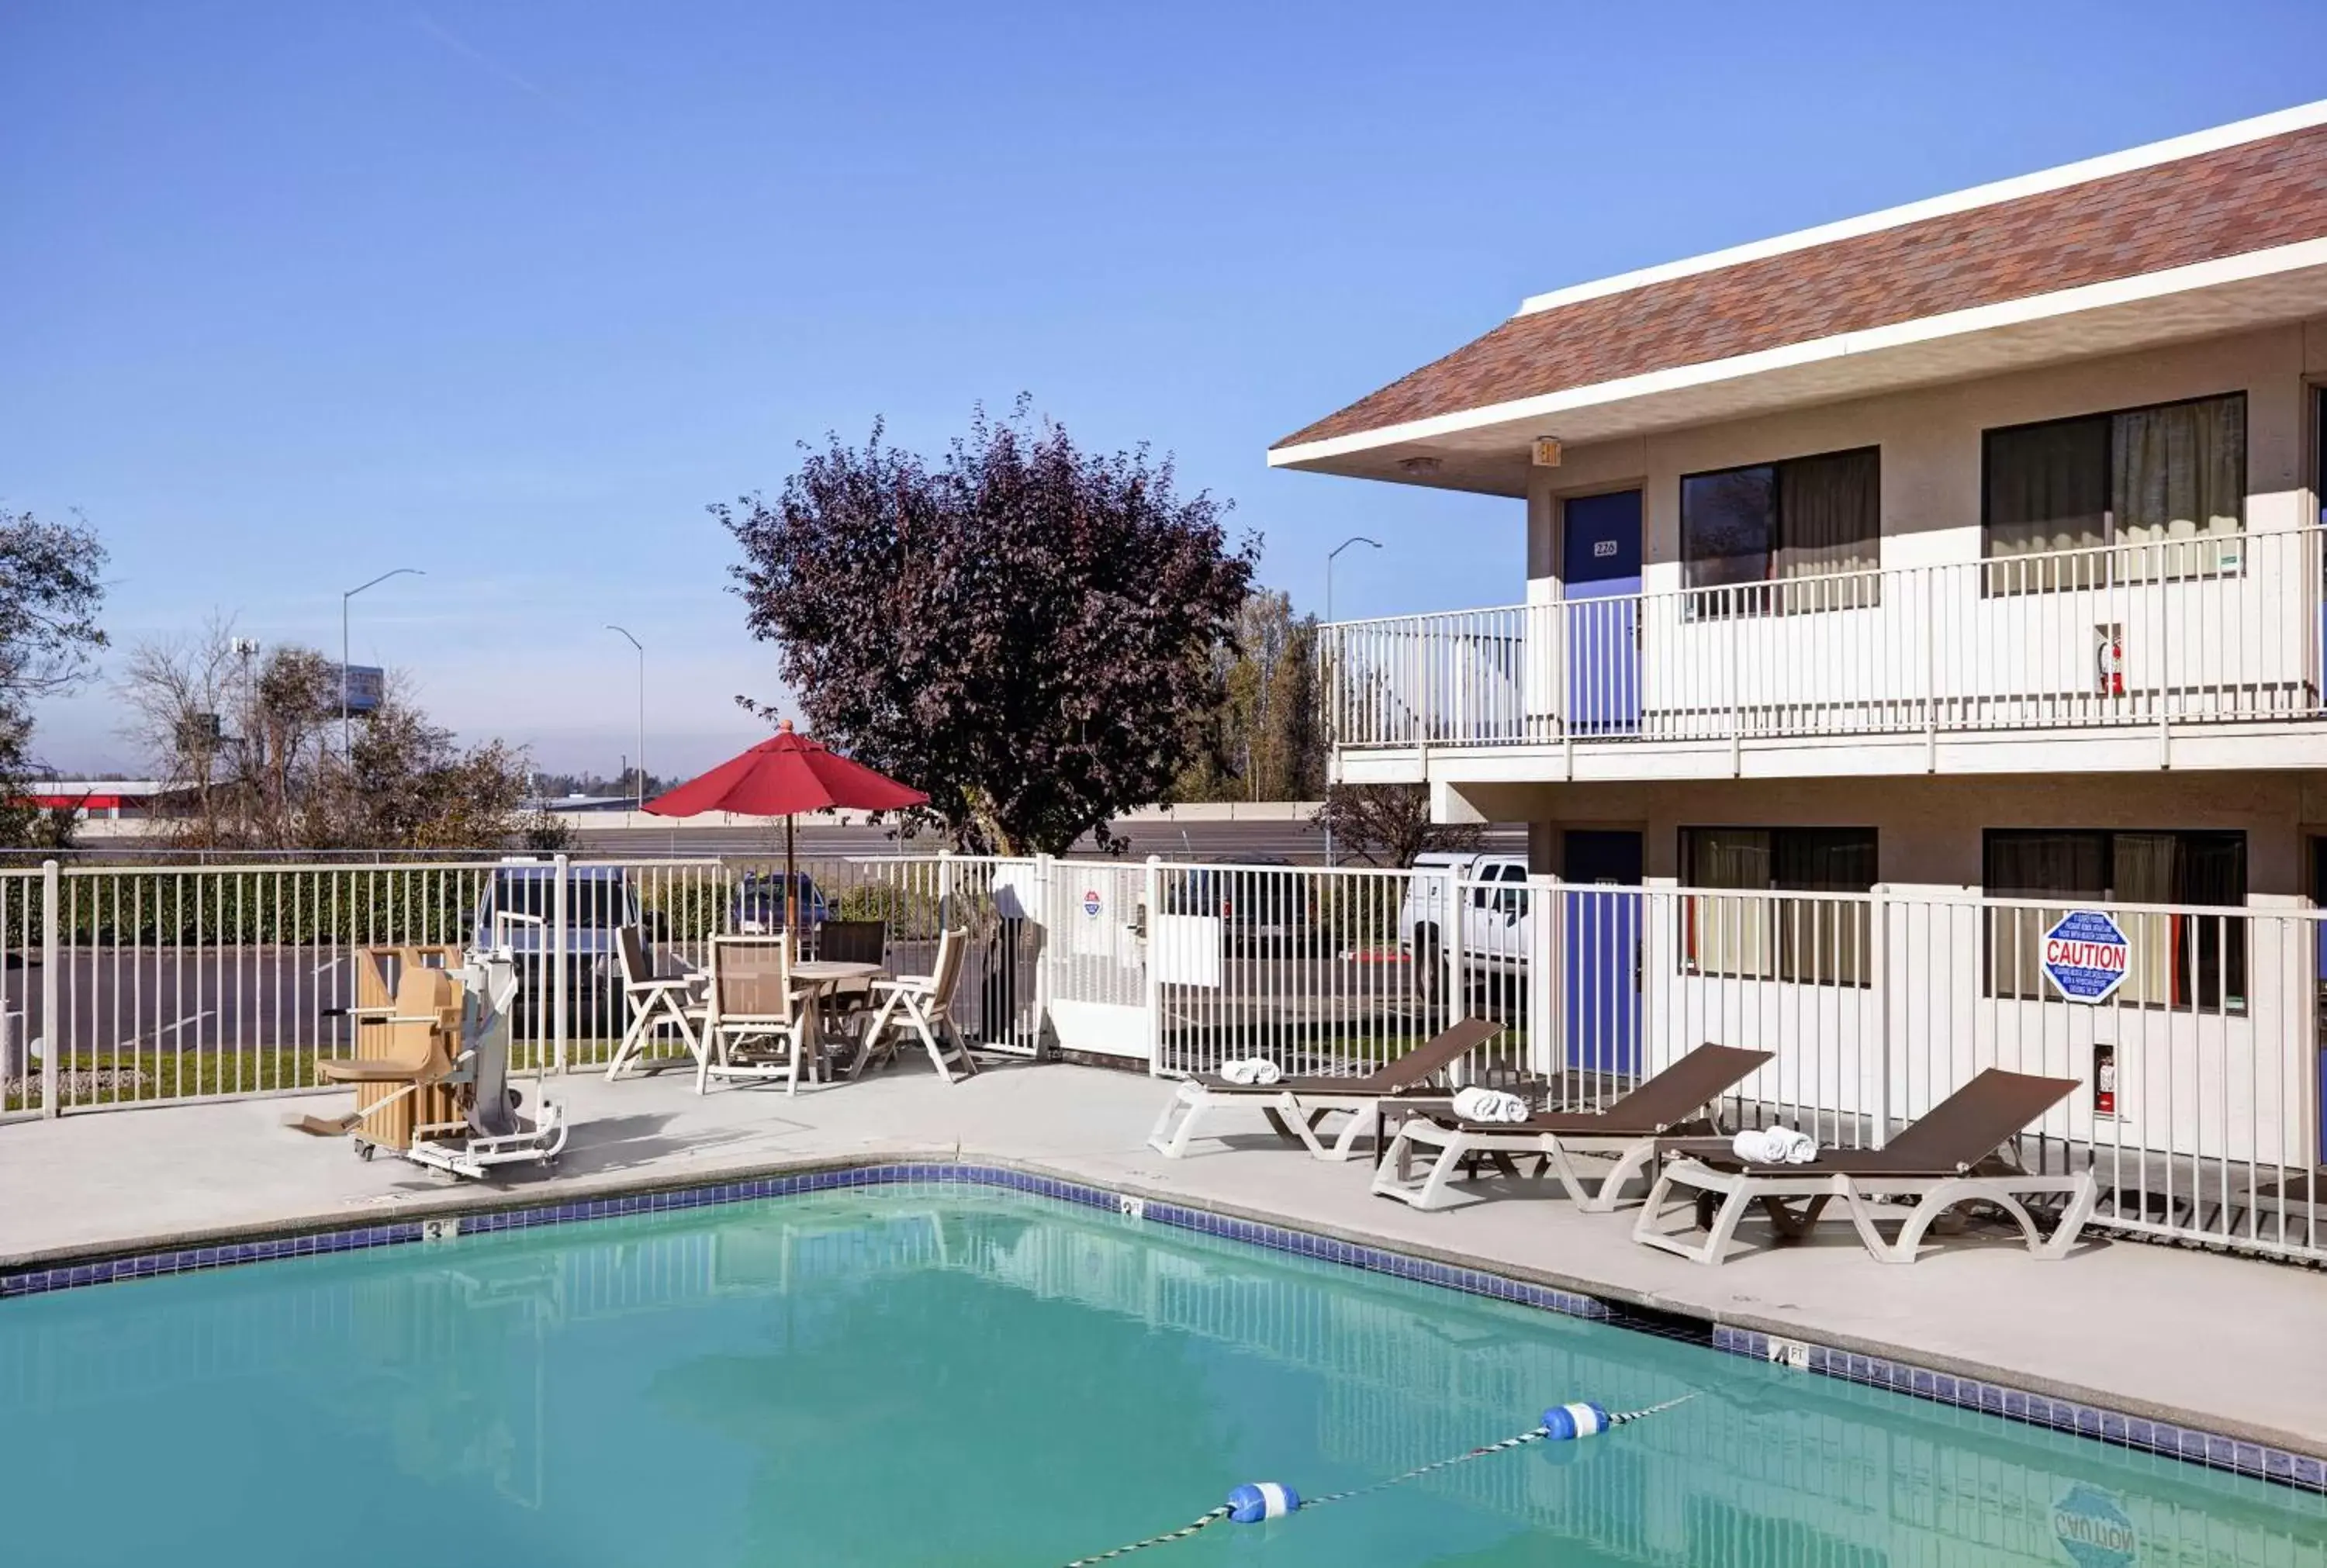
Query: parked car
x,y
1496,920
517,906
1266,907
758,908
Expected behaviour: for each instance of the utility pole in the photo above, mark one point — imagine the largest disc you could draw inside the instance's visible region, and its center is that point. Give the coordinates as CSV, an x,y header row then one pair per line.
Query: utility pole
x,y
347,741
634,642
1336,550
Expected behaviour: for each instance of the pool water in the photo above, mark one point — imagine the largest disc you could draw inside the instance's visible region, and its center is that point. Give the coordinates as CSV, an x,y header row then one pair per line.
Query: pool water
x,y
935,1374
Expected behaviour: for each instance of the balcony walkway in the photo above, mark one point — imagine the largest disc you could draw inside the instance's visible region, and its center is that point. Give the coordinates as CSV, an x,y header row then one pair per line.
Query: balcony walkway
x,y
2156,653
2225,1343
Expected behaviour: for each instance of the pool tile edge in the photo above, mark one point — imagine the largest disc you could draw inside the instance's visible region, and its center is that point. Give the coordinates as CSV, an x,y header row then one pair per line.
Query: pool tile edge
x,y
2190,1443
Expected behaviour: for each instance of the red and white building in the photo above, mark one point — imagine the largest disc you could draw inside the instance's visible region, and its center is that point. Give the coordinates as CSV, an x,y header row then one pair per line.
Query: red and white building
x,y
1966,550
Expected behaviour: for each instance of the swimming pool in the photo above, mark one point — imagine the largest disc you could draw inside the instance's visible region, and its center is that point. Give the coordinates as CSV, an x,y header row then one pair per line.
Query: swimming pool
x,y
942,1374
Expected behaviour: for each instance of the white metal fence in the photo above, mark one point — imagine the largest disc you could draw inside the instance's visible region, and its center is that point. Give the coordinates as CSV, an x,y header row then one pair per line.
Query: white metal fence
x,y
2164,634
2199,1104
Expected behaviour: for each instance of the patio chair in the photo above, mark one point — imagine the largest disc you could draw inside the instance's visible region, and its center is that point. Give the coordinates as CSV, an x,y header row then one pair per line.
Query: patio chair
x,y
1296,1107
1627,1129
753,1015
922,1004
421,1051
1940,1160
847,1002
658,1004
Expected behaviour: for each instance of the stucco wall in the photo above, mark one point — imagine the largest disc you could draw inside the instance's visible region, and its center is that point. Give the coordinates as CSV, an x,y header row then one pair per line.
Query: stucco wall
x,y
1930,444
1929,829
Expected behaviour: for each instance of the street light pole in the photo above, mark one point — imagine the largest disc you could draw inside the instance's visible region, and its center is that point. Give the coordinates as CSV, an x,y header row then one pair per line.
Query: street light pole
x,y
1330,554
346,740
1345,544
634,642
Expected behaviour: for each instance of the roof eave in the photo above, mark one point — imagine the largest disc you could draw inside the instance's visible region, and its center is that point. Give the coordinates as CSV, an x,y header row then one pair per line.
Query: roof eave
x,y
1485,448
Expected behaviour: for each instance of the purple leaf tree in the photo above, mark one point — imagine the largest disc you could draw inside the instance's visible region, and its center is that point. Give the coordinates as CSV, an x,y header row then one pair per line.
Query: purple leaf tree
x,y
1018,629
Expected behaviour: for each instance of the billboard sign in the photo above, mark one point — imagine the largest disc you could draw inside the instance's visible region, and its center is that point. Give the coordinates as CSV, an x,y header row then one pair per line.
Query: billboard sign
x,y
363,685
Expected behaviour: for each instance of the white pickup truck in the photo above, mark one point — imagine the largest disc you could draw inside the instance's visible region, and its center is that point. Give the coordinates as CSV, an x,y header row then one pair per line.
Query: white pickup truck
x,y
1494,911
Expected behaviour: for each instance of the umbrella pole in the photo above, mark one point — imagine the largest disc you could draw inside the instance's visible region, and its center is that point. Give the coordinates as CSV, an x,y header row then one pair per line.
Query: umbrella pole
x,y
791,893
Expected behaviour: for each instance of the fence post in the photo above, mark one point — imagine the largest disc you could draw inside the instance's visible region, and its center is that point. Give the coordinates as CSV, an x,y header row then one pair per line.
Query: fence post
x,y
1045,915
945,889
1545,1052
1878,988
1151,905
1456,979
1931,672
558,974
52,985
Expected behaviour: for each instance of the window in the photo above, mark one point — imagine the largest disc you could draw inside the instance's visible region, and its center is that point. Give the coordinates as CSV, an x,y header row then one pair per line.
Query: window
x,y
1759,935
2178,960
1499,897
2147,490
1784,538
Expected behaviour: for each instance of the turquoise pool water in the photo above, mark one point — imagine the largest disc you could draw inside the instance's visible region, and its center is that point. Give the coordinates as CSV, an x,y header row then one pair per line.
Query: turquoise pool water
x,y
941,1375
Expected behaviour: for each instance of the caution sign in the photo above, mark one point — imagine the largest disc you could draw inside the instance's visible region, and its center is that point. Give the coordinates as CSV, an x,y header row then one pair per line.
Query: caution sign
x,y
2086,957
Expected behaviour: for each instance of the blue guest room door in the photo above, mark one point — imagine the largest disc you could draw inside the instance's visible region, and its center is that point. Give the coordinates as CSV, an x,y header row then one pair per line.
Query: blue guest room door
x,y
1603,951
1600,560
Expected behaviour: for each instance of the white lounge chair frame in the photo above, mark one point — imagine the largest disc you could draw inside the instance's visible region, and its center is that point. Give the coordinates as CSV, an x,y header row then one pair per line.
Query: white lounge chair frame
x,y
1297,1115
1933,1197
1688,1091
1392,1178
1298,1110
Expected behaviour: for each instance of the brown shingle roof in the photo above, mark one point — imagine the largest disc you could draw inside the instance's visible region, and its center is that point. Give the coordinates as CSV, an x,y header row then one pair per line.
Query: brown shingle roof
x,y
2250,197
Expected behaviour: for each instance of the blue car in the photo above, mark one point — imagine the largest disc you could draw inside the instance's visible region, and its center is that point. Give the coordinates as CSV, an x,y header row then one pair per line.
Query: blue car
x,y
759,905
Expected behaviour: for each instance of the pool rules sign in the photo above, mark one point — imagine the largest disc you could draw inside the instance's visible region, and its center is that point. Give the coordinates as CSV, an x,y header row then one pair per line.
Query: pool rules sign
x,y
2086,957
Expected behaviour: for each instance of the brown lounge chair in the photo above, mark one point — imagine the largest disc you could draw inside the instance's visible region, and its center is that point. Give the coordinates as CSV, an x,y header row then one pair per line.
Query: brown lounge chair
x,y
421,1051
1940,1160
1628,1129
1296,1107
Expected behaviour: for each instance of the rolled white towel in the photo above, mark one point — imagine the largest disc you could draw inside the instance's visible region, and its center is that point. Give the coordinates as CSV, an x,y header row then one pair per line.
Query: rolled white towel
x,y
1774,1146
1251,1069
1478,1105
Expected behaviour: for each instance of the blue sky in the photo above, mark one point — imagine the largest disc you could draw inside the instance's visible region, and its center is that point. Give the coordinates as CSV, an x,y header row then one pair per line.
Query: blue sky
x,y
293,294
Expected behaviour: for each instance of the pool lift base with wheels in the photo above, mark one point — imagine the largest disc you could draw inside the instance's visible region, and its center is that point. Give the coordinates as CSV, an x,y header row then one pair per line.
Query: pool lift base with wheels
x,y
493,1132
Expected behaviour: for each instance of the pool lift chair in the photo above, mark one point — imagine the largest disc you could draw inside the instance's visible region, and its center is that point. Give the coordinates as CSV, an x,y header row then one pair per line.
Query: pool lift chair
x,y
493,1132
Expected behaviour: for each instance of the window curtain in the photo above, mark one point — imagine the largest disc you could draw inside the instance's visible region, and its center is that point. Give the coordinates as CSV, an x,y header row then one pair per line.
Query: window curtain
x,y
1830,522
2048,489
1820,942
1730,934
2179,474
2036,866
2142,873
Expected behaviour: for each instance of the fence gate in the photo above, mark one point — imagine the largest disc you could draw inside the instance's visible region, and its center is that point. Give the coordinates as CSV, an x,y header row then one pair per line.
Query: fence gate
x,y
1099,958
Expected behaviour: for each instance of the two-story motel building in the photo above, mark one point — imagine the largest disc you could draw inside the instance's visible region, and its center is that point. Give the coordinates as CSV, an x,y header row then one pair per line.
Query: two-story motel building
x,y
1970,546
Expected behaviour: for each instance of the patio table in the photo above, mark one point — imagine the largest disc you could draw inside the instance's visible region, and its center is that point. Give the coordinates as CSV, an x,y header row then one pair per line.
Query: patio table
x,y
818,976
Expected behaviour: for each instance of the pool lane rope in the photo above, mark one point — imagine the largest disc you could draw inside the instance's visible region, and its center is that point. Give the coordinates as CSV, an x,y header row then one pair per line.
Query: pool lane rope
x,y
1257,1501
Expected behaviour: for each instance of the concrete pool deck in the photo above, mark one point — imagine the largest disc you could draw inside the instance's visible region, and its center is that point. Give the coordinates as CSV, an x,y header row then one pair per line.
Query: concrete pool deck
x,y
2235,1344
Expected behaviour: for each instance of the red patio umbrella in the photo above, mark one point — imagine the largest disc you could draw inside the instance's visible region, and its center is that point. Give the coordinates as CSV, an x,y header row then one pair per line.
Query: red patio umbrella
x,y
783,776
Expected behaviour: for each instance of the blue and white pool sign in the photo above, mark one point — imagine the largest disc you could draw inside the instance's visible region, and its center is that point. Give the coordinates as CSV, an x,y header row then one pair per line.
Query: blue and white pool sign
x,y
1092,903
2093,1530
2086,957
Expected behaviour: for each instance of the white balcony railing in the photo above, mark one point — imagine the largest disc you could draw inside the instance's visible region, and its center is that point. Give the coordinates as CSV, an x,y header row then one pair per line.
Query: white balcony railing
x,y
2222,629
